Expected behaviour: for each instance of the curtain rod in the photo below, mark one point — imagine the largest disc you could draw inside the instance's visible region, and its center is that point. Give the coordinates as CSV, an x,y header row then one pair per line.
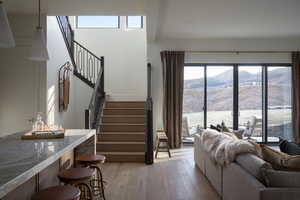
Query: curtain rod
x,y
237,52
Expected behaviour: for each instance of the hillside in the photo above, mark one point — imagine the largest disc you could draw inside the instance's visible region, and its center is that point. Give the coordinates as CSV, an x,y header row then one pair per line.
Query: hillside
x,y
220,93
278,76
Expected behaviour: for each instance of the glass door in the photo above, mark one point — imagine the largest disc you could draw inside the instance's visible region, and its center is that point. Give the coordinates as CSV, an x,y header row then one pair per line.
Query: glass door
x,y
279,103
219,95
193,102
250,101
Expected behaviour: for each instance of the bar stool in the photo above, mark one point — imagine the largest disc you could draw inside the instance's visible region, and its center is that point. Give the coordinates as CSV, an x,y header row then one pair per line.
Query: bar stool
x,y
66,192
92,161
79,177
161,137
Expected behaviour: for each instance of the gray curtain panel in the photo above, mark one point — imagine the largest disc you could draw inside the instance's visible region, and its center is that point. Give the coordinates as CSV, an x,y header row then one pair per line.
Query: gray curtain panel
x,y
173,77
296,95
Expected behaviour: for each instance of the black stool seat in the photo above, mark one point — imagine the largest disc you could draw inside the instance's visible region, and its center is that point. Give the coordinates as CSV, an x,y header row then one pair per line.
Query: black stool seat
x,y
66,192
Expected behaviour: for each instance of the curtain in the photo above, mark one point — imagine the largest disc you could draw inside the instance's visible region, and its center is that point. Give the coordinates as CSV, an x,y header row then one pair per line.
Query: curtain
x,y
296,95
173,69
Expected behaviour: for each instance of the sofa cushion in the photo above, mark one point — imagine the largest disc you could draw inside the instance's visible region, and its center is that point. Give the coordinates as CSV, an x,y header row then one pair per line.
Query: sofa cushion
x,y
253,165
277,178
279,160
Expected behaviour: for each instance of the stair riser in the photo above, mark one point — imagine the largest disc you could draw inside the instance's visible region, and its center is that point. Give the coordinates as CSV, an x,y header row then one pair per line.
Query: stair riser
x,y
125,105
133,120
120,147
124,158
122,128
123,112
121,137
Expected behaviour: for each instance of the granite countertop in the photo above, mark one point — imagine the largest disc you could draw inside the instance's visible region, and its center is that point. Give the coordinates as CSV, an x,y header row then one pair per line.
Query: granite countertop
x,y
20,159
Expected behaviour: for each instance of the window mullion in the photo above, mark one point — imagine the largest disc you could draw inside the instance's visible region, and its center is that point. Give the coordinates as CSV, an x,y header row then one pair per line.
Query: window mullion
x,y
235,97
205,97
265,103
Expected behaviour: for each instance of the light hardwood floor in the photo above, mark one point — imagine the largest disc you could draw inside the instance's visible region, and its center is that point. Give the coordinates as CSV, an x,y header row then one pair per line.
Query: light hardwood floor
x,y
168,179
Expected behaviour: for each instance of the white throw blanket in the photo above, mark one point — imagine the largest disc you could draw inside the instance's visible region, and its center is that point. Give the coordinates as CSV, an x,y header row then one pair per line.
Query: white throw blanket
x,y
222,148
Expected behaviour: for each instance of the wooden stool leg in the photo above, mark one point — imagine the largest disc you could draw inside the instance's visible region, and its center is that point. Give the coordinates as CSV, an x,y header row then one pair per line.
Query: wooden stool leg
x,y
168,149
157,148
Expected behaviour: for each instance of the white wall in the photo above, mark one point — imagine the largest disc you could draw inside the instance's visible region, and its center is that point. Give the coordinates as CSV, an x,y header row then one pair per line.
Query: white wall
x,y
124,51
154,49
22,82
80,93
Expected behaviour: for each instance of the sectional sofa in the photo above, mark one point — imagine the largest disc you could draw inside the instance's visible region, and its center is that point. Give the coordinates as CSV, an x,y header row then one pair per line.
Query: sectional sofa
x,y
242,179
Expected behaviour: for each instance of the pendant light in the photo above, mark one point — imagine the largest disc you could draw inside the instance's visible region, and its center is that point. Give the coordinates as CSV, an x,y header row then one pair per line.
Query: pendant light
x,y
39,50
6,36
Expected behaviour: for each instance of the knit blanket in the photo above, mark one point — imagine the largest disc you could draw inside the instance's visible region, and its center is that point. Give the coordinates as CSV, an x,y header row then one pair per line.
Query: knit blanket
x,y
223,149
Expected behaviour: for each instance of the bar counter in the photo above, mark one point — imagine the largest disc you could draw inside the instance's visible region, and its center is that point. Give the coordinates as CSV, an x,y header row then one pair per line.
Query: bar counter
x,y
29,165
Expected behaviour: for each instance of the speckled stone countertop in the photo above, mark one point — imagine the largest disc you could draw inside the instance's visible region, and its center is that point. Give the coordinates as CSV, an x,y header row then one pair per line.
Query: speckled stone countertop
x,y
20,159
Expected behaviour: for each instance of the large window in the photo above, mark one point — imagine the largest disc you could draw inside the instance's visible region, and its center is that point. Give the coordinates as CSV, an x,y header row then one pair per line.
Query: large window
x,y
240,95
135,22
193,102
219,95
279,103
250,98
98,22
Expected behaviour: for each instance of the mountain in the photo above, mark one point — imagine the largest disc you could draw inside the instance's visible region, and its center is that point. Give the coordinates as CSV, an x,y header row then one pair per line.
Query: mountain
x,y
219,92
277,76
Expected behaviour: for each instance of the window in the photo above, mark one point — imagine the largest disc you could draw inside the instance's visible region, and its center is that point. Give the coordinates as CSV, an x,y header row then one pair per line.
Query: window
x,y
98,22
250,98
238,95
134,21
193,102
219,86
279,103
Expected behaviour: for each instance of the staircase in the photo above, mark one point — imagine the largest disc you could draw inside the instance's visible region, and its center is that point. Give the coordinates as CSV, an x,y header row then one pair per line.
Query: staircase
x,y
124,128
122,131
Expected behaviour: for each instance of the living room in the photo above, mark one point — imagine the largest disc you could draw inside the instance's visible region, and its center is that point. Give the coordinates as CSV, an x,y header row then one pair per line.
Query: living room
x,y
216,83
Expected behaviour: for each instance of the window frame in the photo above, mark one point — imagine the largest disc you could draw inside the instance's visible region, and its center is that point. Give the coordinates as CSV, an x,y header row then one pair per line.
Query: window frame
x,y
113,28
236,92
142,22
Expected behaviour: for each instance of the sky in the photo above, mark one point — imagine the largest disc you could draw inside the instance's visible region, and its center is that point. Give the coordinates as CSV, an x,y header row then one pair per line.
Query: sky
x,y
198,72
106,21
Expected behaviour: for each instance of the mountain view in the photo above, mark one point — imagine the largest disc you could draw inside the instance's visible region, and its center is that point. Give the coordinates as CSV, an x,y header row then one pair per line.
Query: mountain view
x,y
220,91
220,101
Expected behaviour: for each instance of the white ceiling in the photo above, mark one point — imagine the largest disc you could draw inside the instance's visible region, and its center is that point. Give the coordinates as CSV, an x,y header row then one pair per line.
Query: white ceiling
x,y
194,19
76,7
186,19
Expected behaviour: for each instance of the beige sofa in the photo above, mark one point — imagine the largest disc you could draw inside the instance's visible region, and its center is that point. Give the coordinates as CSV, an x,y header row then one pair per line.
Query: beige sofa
x,y
242,179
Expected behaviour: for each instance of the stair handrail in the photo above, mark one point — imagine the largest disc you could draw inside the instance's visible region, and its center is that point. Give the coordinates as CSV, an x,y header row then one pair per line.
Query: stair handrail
x,y
94,111
87,67
149,117
86,64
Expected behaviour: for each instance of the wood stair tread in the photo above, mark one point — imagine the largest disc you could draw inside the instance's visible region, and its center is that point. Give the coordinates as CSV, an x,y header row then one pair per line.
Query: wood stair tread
x,y
124,108
122,133
118,142
122,153
122,124
125,101
143,116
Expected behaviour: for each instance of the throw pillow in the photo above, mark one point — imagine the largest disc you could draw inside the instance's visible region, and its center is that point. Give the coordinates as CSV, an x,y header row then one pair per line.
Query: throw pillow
x,y
289,147
215,128
226,129
239,133
277,178
232,135
279,160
